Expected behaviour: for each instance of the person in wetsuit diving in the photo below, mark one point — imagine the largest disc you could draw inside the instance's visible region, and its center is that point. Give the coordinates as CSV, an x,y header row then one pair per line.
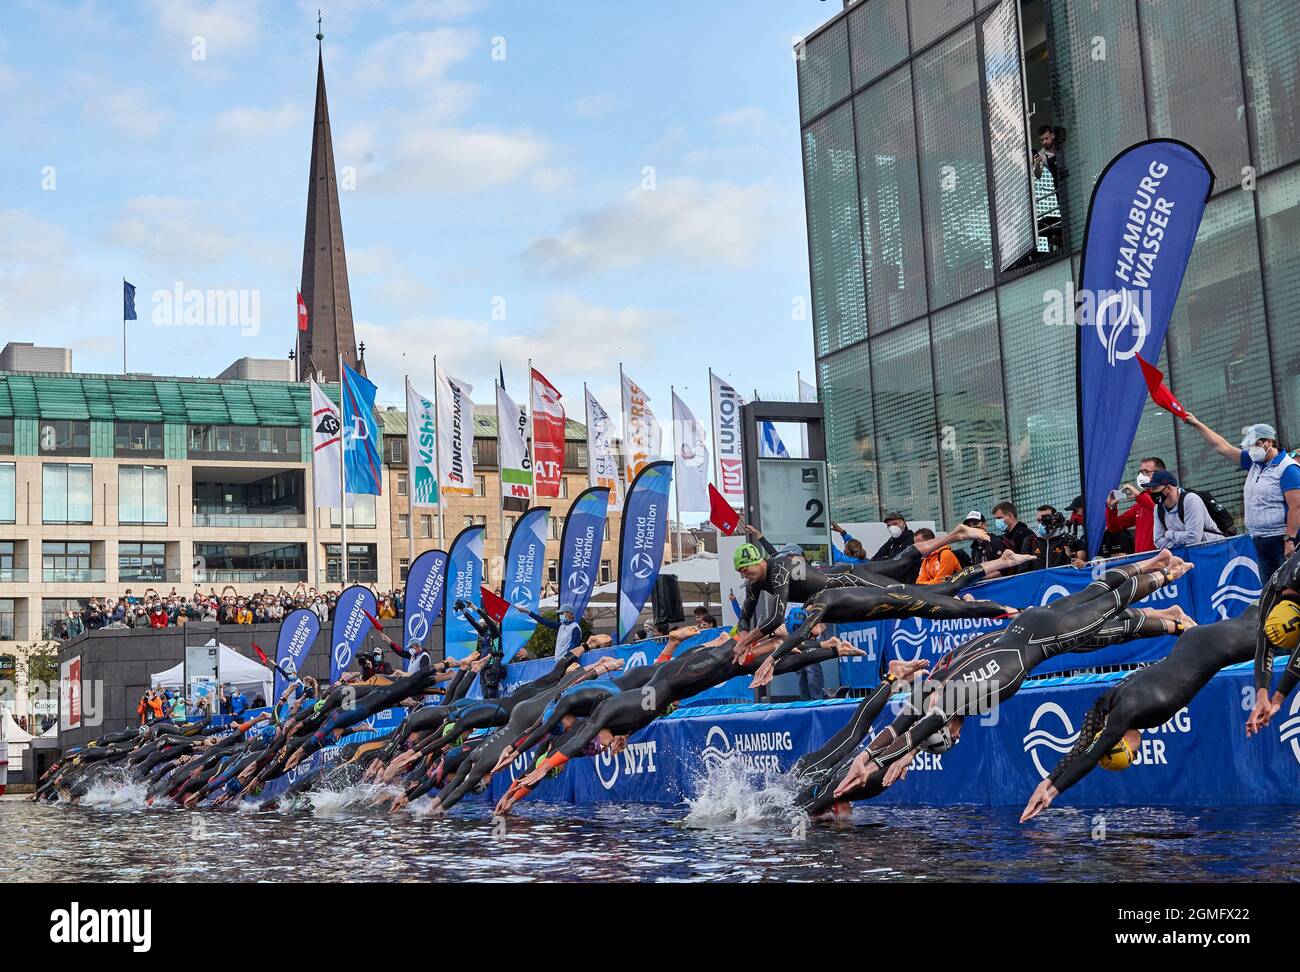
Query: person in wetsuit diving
x,y
1278,630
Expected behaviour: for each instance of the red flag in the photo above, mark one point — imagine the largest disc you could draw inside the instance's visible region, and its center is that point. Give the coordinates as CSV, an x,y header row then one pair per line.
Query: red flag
x,y
721,515
373,620
261,655
548,436
302,312
495,607
1160,393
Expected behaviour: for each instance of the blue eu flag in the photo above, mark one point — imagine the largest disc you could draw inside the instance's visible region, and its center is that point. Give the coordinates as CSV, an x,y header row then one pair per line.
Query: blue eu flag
x,y
128,301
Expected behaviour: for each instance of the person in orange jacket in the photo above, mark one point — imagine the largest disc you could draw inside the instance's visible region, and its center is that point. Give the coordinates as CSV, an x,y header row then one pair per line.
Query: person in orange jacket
x,y
150,707
938,566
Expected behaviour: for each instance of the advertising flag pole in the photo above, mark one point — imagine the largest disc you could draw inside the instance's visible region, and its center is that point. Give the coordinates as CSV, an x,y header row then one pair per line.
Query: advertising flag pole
x,y
410,483
677,451
343,477
501,480
437,459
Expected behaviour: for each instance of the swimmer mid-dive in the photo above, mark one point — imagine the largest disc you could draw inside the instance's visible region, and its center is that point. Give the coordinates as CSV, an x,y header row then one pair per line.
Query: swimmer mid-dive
x,y
1278,630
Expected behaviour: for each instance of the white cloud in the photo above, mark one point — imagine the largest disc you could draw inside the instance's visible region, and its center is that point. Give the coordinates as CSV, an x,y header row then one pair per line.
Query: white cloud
x,y
751,120
240,124
41,282
394,282
172,231
683,222
224,25
437,9
410,59
442,160
129,110
594,106
549,180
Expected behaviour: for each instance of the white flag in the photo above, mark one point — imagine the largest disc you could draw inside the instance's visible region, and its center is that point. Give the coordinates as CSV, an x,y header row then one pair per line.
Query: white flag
x,y
326,448
421,448
602,463
456,436
726,403
643,435
512,436
691,462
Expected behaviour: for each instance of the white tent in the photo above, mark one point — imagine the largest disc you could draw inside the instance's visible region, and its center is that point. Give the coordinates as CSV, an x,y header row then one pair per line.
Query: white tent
x,y
247,675
18,740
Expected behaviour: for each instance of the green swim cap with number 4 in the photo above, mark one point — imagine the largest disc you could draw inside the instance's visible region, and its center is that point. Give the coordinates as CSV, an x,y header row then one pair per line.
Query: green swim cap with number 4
x,y
746,556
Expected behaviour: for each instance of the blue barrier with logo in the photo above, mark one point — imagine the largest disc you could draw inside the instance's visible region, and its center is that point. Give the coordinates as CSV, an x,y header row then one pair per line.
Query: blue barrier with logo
x,y
1223,582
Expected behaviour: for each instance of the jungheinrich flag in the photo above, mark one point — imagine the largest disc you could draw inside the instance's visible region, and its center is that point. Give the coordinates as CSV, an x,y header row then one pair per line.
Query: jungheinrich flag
x,y
1142,222
729,443
362,464
456,432
641,542
421,448
512,447
326,429
602,463
642,442
548,436
691,462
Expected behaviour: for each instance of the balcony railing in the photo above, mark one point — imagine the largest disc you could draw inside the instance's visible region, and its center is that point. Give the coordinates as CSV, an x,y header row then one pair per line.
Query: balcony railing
x,y
13,575
251,576
253,521
159,574
73,575
364,575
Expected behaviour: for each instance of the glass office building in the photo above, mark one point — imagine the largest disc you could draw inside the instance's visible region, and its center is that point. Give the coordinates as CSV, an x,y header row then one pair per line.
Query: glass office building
x,y
941,255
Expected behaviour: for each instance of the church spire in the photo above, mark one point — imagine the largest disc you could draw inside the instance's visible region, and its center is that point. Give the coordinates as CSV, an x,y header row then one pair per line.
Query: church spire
x,y
324,264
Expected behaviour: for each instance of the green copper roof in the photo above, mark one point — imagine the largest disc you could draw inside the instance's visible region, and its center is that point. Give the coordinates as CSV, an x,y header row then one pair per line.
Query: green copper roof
x,y
194,401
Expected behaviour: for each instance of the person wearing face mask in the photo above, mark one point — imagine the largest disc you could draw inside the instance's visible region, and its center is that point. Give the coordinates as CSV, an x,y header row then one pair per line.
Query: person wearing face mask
x,y
1181,515
1271,496
1141,516
900,537
1013,534
1055,545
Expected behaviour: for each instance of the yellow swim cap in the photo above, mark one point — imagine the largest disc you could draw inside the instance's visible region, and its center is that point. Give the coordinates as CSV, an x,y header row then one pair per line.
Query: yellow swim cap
x,y
1282,627
1119,757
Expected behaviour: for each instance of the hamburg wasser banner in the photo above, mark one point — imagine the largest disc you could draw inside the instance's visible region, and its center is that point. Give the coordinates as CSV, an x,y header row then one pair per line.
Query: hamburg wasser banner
x,y
423,600
350,627
1142,221
525,567
464,575
298,633
641,543
580,547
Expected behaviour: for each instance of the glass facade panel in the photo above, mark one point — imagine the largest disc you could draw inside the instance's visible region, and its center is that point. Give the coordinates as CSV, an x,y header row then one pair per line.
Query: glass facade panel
x,y
64,437
142,494
892,247
904,398
360,514
823,67
66,493
970,408
877,38
138,439
1195,77
1097,78
931,19
8,492
850,442
834,232
1279,211
1038,364
1270,36
1218,353
954,189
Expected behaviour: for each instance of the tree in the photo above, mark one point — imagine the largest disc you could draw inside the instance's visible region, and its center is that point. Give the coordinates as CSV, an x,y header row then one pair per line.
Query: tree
x,y
542,643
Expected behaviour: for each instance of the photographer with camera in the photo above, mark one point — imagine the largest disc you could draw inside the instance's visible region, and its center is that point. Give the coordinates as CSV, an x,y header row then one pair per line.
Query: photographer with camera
x,y
1056,545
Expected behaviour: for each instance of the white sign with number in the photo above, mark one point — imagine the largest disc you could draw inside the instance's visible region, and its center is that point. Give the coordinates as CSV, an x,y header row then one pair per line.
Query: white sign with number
x,y
794,501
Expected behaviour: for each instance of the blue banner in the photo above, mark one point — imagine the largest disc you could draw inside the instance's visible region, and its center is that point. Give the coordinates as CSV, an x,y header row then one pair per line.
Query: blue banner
x,y
298,633
464,576
422,603
362,464
350,627
1223,583
581,545
525,568
641,542
1146,208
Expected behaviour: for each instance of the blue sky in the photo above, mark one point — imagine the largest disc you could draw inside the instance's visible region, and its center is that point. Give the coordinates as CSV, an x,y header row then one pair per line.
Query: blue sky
x,y
482,183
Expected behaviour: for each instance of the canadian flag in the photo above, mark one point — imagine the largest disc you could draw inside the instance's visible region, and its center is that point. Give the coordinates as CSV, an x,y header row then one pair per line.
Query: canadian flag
x,y
302,312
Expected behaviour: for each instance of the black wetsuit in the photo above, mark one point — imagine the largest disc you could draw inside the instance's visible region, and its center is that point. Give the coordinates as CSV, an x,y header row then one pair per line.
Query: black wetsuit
x,y
1152,696
1285,578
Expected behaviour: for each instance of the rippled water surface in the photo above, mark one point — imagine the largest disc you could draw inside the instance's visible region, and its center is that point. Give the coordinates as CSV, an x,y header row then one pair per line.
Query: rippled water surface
x,y
340,838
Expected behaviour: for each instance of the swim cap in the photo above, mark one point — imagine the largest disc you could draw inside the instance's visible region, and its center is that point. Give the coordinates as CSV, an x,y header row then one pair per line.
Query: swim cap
x,y
746,556
1283,625
938,742
1119,757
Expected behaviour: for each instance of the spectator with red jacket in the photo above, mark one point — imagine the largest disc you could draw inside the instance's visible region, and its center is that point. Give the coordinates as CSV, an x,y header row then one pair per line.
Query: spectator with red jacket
x,y
1142,514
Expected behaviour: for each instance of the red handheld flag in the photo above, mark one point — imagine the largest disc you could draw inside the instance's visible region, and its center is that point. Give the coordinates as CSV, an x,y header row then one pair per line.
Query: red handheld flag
x,y
721,515
302,312
261,655
1160,393
493,606
373,620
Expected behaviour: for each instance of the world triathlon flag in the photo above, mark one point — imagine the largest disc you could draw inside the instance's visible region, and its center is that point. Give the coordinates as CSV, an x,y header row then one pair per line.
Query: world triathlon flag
x,y
641,543
361,442
423,600
525,568
1142,222
350,627
580,547
298,633
464,575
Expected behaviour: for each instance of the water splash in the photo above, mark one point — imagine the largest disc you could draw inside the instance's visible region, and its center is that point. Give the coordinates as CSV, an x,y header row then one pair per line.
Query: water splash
x,y
359,798
114,791
731,793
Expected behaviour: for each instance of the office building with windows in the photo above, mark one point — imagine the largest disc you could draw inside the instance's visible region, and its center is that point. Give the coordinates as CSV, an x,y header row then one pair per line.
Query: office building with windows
x,y
940,239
